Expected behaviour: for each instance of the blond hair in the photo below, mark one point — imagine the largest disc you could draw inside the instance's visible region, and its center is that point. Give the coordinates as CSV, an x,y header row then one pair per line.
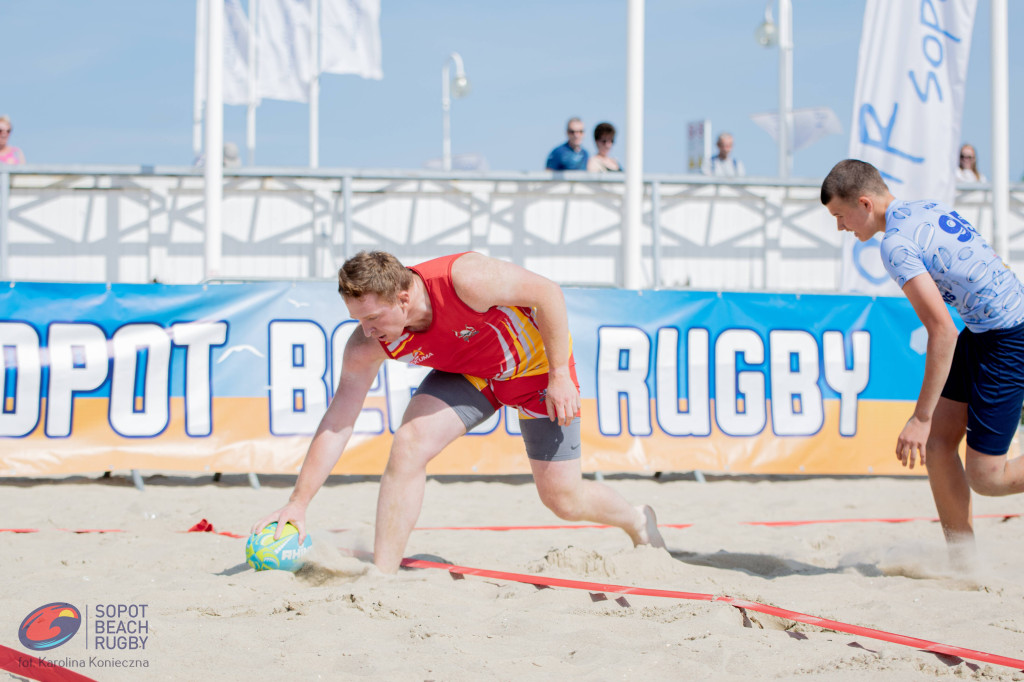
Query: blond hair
x,y
373,272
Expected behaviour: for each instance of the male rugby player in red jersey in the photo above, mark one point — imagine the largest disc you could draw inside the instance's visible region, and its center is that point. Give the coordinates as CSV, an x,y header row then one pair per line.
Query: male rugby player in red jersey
x,y
494,334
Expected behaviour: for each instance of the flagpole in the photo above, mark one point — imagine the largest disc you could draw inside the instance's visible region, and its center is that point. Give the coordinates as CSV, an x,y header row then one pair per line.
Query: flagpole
x,y
197,91
250,113
214,171
314,90
1000,130
785,88
632,205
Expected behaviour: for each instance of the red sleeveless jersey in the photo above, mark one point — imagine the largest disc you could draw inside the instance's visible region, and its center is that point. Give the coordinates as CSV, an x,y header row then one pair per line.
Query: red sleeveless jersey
x,y
501,343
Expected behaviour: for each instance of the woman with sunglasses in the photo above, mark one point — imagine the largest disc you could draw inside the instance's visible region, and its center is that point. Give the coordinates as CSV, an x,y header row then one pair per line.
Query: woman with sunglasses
x,y
8,155
604,138
967,171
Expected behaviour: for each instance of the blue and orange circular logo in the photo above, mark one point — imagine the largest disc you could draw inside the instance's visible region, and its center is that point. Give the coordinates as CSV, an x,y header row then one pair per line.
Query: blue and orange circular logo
x,y
49,626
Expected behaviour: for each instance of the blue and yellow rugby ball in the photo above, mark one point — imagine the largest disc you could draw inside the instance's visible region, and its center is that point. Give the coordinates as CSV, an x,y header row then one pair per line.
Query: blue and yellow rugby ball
x,y
264,553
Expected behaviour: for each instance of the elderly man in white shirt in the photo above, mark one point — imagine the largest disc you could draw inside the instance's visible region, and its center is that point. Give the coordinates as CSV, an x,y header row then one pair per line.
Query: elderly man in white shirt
x,y
725,164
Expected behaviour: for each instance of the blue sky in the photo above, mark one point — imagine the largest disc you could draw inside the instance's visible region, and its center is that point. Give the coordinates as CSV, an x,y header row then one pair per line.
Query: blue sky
x,y
110,82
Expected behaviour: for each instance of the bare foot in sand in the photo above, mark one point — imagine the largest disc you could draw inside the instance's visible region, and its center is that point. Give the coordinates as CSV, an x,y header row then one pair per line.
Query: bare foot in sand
x,y
647,529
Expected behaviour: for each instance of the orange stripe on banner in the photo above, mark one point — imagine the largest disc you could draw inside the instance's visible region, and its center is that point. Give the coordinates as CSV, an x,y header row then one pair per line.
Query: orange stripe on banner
x,y
34,668
838,626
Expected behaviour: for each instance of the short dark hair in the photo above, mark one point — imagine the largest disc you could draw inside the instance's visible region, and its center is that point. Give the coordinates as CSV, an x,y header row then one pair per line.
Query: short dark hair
x,y
602,130
850,179
374,272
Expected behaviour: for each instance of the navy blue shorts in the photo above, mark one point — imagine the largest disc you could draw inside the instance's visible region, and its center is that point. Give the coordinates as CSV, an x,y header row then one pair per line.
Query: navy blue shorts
x,y
988,374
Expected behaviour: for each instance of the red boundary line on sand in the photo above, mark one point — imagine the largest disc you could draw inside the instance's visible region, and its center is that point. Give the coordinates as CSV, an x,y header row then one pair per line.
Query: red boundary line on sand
x,y
549,527
1004,517
34,668
689,525
924,644
570,526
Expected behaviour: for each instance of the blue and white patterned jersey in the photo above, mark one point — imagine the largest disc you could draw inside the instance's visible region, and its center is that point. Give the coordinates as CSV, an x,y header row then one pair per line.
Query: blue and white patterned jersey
x,y
929,236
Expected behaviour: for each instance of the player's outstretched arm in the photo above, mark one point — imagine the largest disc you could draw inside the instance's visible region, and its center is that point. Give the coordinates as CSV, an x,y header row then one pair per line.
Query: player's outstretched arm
x,y
363,357
924,296
483,282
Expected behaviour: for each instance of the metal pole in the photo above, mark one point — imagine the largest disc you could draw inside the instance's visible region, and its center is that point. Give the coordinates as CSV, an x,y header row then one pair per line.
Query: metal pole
x,y
785,87
250,113
5,214
1000,130
197,90
656,233
346,216
314,90
214,171
446,116
634,192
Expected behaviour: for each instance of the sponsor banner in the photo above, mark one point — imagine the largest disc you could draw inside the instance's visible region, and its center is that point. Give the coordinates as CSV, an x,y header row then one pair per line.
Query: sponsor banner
x,y
235,378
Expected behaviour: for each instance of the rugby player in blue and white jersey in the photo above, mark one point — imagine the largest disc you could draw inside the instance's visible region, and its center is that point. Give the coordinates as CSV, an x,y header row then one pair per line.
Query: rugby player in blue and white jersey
x,y
973,383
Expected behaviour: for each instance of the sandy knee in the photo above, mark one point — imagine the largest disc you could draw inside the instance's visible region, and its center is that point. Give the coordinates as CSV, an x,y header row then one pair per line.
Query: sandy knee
x,y
564,503
987,475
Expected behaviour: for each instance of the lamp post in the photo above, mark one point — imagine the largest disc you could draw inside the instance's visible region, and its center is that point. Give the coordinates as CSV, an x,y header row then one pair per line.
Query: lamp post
x,y
769,34
457,87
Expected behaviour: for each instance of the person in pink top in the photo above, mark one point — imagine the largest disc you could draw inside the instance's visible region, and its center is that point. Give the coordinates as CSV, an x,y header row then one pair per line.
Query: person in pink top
x,y
8,154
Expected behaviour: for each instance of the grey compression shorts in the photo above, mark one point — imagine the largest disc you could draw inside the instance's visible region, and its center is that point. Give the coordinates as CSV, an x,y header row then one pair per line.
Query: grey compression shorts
x,y
545,440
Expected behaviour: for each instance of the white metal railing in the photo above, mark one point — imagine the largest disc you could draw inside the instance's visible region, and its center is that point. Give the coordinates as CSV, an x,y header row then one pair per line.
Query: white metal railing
x,y
140,224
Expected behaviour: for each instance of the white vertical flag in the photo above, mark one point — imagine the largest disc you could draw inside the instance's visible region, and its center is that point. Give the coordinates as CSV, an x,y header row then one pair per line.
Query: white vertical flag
x,y
907,111
350,37
236,54
284,64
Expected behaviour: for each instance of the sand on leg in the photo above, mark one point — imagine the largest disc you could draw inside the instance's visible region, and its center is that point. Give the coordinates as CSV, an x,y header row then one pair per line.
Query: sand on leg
x,y
564,491
428,426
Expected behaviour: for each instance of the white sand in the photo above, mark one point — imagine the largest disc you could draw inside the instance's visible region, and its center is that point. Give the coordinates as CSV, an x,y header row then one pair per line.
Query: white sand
x,y
212,618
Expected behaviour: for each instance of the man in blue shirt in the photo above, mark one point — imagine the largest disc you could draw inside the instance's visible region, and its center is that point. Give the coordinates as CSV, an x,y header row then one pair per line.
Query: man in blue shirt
x,y
571,155
973,381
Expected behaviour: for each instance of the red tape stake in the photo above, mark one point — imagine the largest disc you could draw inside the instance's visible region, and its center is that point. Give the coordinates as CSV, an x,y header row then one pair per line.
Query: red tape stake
x,y
205,526
33,668
926,645
19,530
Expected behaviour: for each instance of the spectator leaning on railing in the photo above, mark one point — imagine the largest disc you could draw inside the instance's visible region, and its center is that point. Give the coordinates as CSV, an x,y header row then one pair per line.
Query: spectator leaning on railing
x,y
724,164
604,138
967,171
571,155
9,155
